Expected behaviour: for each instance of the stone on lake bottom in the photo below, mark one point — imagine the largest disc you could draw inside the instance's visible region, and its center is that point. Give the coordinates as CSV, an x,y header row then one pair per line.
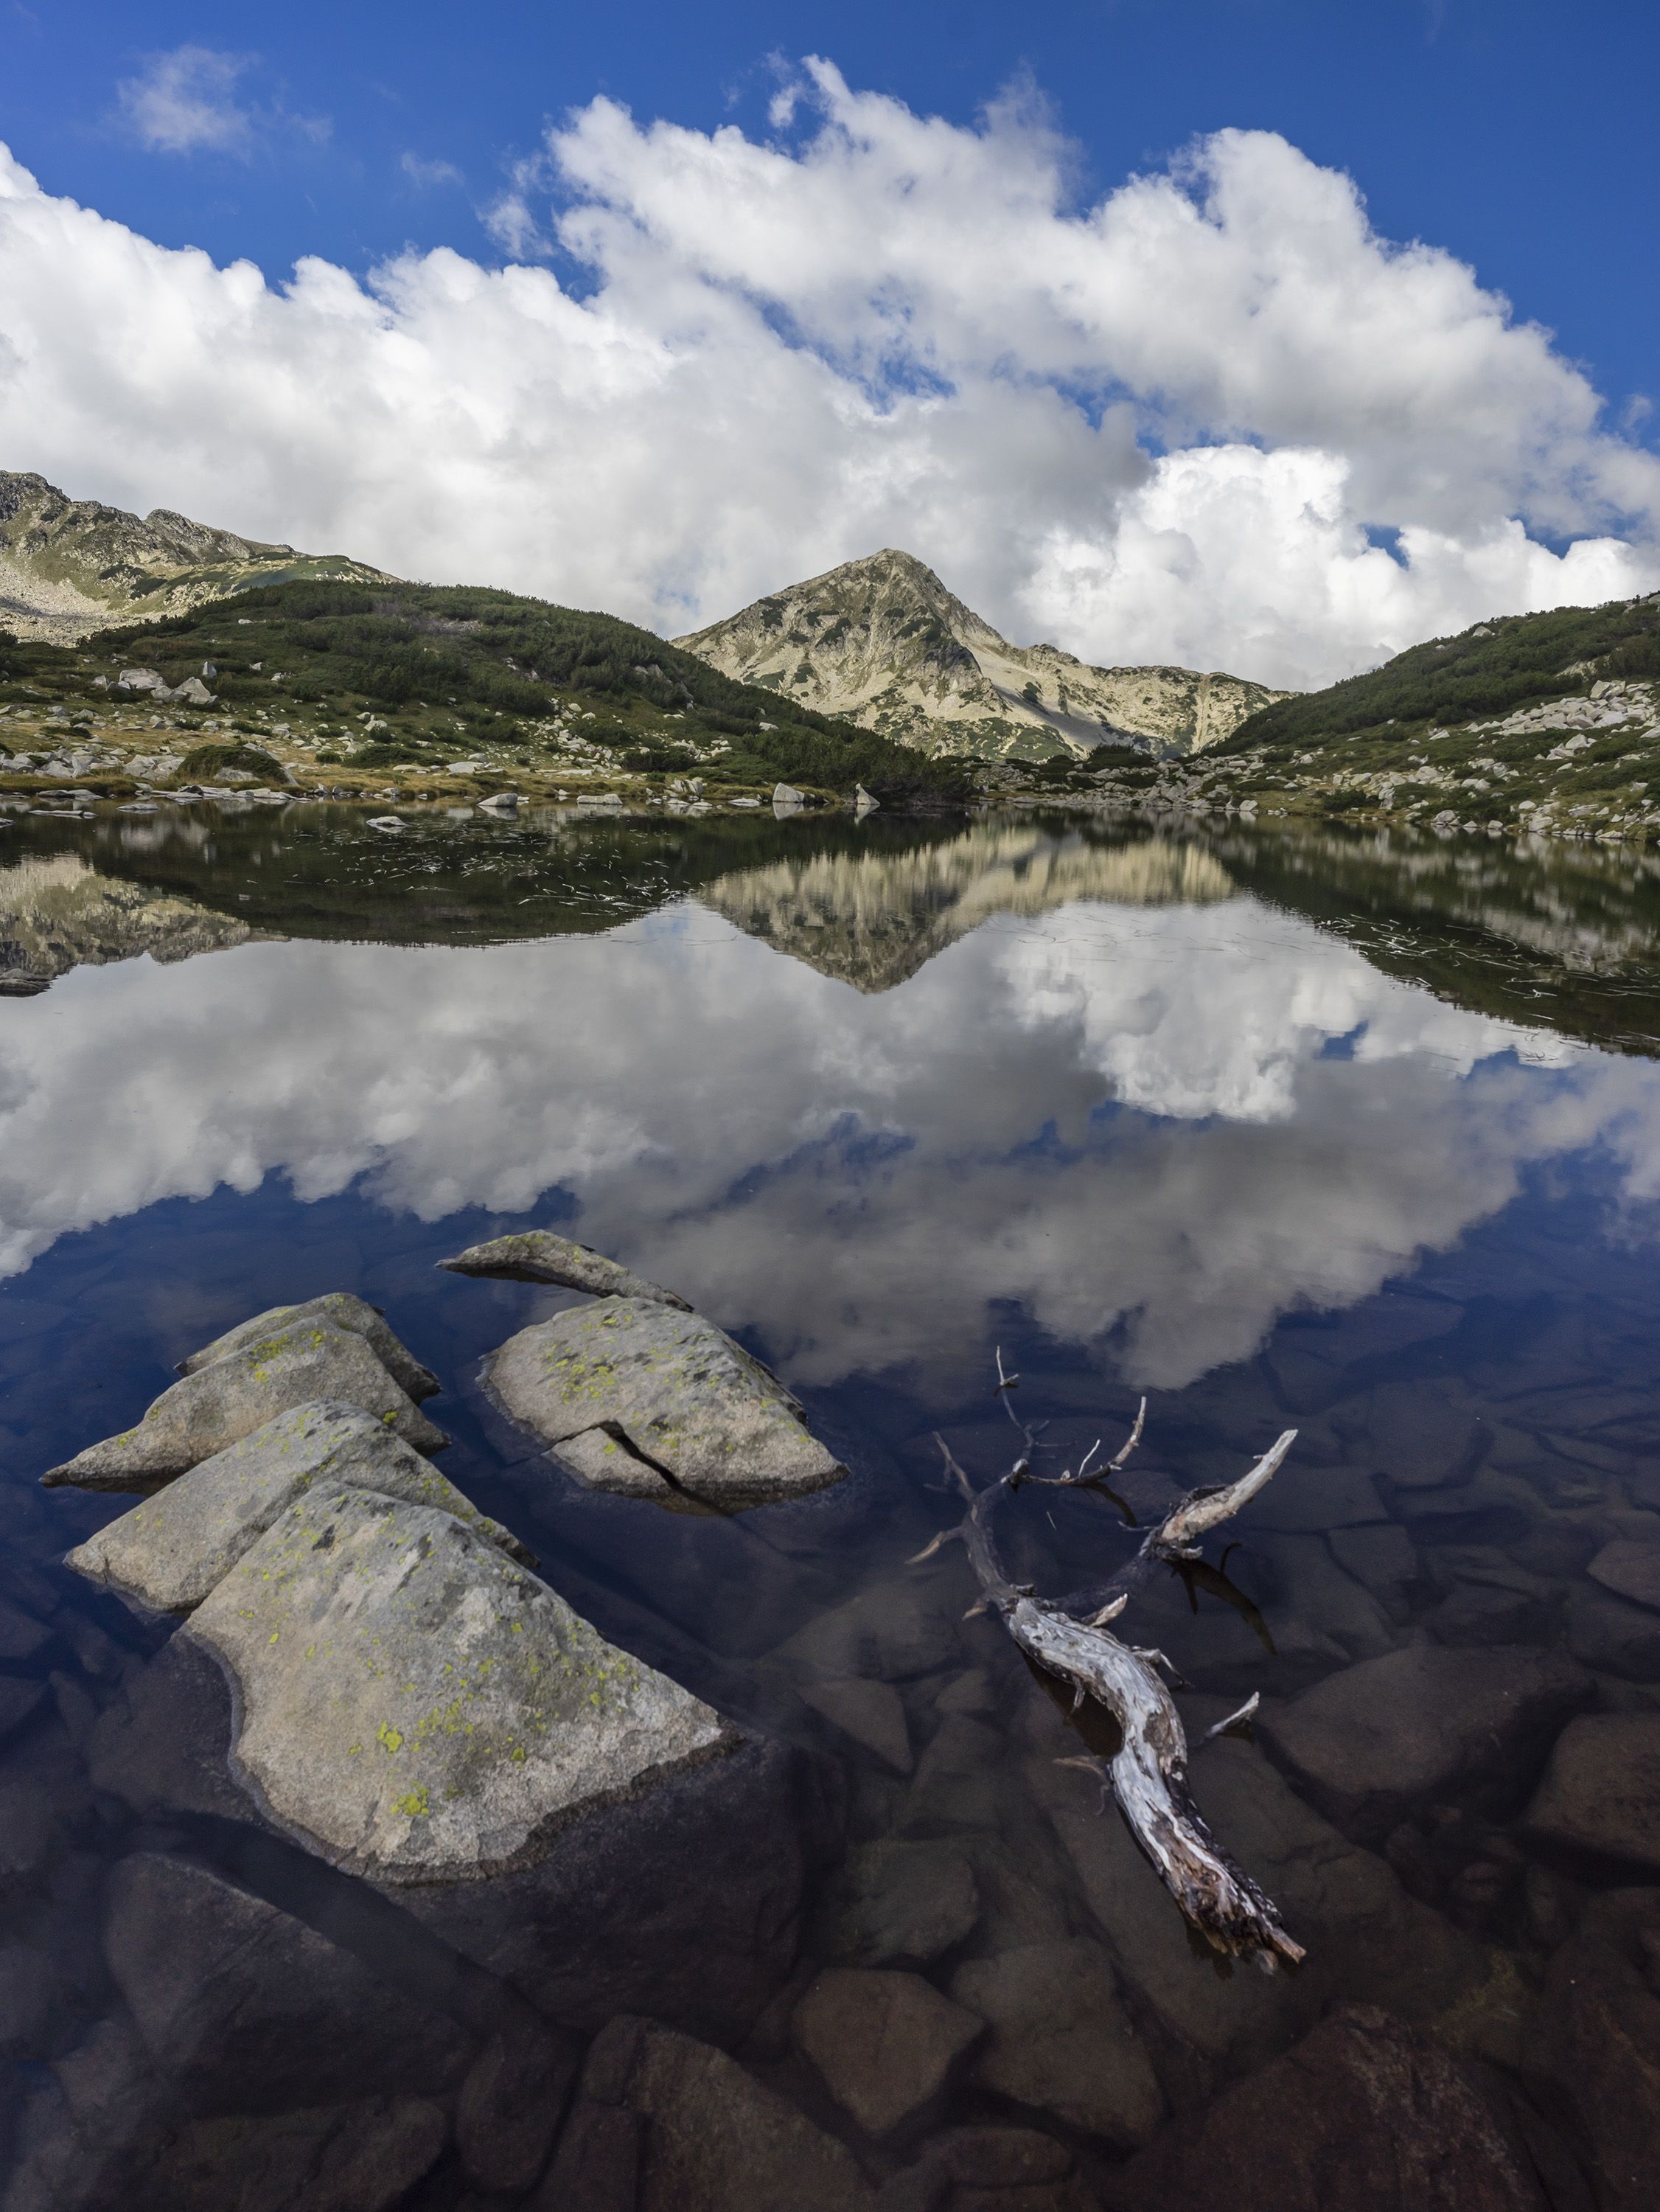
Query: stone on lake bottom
x,y
1601,1793
419,1706
667,1396
884,2043
172,1549
895,1900
1423,1722
714,2139
871,1713
1060,2039
344,1311
1362,2116
1630,1570
219,1405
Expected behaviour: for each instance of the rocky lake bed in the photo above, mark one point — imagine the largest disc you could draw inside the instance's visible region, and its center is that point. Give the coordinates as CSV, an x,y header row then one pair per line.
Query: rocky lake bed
x,y
490,1316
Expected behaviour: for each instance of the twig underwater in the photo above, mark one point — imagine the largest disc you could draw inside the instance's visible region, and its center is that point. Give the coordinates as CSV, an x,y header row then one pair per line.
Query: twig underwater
x,y
1072,1642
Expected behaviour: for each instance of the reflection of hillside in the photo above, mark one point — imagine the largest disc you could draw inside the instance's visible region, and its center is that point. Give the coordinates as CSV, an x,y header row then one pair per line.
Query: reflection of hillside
x,y
873,918
1563,934
56,914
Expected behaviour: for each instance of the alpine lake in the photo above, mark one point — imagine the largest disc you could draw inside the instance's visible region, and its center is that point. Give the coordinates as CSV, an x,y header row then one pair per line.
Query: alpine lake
x,y
1276,1127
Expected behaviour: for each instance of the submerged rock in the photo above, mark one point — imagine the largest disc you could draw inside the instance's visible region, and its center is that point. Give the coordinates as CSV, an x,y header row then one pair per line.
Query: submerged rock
x,y
418,1705
1060,2039
1601,1793
341,1311
538,1255
1369,1744
298,1363
1361,2116
896,1900
653,1402
1594,2042
240,2001
692,2132
175,1549
885,2044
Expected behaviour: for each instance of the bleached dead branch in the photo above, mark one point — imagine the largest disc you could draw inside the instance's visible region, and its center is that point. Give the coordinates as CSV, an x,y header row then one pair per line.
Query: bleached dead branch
x,y
1148,1776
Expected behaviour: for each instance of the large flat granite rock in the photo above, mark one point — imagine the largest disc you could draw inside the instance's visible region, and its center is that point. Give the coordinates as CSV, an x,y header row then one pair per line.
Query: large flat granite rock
x,y
175,1548
643,1399
297,1362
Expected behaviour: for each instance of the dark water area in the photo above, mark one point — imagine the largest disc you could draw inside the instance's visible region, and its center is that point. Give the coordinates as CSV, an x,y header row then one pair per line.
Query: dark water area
x,y
1355,1135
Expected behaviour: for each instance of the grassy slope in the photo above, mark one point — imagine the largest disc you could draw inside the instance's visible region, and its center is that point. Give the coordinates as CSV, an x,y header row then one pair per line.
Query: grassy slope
x,y
1422,734
450,669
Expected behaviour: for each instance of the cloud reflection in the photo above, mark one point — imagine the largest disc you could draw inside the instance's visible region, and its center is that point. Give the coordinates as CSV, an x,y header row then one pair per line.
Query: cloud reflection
x,y
1155,1126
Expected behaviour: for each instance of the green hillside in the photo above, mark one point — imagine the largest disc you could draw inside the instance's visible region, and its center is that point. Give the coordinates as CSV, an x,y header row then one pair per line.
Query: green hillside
x,y
1546,723
1515,660
370,677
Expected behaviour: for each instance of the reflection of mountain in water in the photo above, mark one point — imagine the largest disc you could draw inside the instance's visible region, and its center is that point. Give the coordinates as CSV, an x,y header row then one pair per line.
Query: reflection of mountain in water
x,y
872,919
56,914
1561,934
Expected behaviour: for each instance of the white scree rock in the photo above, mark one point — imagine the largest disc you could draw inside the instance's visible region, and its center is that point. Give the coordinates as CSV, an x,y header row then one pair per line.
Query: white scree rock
x,y
654,1403
344,1311
418,1707
297,1362
175,1549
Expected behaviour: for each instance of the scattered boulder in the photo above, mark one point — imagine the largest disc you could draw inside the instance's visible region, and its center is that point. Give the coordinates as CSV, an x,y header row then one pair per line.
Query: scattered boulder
x,y
871,1713
1363,2116
1061,2040
1371,1743
641,1398
342,1310
299,1362
416,1704
884,2043
709,2137
1630,1570
895,1900
538,1255
786,798
172,1550
1601,1793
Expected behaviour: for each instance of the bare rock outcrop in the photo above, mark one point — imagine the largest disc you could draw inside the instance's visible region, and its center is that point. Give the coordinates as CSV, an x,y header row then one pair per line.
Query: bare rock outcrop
x,y
172,1551
542,1255
653,1402
296,1363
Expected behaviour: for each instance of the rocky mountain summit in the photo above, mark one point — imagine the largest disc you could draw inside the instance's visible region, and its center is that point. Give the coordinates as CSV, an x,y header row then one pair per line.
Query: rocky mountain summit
x,y
881,641
69,567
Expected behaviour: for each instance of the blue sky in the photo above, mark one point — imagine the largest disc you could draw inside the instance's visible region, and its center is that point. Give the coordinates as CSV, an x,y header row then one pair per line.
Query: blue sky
x,y
1516,133
1515,137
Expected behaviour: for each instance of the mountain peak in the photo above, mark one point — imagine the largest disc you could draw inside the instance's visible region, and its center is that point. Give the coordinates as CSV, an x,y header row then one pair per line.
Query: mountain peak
x,y
69,567
882,640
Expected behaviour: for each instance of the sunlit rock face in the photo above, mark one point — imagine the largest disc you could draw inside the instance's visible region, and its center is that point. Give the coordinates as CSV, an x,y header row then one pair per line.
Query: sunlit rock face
x,y
881,641
1153,1110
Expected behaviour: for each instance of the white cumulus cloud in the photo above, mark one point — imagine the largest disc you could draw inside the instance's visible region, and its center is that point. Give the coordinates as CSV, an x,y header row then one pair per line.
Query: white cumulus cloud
x,y
1212,417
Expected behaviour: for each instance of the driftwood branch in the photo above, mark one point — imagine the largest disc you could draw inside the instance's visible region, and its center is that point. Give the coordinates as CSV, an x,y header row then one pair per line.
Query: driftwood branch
x,y
1148,1776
